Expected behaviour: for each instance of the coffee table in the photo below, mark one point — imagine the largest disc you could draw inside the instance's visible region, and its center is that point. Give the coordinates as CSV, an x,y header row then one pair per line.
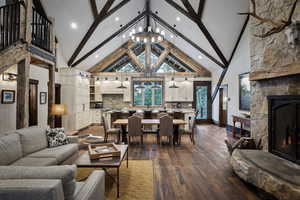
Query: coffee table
x,y
84,161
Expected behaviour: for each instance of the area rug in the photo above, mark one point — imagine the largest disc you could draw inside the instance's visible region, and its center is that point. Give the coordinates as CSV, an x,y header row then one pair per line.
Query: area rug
x,y
136,181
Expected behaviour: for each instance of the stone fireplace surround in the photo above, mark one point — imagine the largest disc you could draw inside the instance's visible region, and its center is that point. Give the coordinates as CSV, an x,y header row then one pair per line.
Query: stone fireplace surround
x,y
275,71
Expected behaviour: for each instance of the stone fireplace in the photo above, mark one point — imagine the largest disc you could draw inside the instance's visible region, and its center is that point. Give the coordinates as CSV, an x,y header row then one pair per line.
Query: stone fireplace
x,y
284,126
275,66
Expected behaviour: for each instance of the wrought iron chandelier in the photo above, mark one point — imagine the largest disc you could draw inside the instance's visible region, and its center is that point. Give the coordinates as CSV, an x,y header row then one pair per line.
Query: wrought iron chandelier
x,y
147,35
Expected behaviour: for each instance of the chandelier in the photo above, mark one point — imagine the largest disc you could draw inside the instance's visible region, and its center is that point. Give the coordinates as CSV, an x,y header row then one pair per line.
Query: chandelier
x,y
147,35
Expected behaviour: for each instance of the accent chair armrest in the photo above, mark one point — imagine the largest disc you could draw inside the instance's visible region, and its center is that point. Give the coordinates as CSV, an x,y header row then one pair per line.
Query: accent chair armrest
x,y
31,189
93,188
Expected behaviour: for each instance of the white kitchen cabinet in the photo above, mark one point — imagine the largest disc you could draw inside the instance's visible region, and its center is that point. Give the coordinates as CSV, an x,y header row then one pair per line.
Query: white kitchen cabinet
x,y
96,116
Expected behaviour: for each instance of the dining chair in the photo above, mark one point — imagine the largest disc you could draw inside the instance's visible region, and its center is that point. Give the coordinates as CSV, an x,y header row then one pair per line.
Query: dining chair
x,y
159,115
135,128
190,131
110,131
166,129
138,114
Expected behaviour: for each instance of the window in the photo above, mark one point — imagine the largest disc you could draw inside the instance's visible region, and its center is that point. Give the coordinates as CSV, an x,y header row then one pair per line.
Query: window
x,y
127,68
147,93
142,58
165,68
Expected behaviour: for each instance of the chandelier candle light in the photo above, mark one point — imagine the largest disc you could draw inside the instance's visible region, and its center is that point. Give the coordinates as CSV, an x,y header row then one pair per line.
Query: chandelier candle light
x,y
142,35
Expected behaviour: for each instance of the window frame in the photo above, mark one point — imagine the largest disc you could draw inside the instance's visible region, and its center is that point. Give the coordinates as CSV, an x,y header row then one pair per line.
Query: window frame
x,y
152,106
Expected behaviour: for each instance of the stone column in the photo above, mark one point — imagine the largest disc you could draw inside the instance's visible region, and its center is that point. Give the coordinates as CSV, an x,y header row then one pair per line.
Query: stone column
x,y
22,114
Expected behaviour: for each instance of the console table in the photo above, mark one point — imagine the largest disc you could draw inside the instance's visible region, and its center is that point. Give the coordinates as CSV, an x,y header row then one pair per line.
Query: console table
x,y
244,121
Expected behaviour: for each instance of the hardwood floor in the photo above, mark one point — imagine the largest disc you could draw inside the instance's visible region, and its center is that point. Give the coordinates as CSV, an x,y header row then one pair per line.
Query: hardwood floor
x,y
200,171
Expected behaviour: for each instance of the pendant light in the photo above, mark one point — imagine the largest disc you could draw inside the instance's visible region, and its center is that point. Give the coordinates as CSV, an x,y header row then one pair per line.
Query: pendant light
x,y
173,86
121,86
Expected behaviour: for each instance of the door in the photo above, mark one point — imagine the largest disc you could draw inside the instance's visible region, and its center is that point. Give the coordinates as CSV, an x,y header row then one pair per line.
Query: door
x,y
33,102
58,119
202,101
223,106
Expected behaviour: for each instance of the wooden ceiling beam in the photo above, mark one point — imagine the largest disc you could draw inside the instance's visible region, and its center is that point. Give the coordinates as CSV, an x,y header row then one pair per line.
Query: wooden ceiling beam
x,y
191,14
168,26
132,22
185,58
108,60
135,60
104,13
217,88
94,8
161,59
201,8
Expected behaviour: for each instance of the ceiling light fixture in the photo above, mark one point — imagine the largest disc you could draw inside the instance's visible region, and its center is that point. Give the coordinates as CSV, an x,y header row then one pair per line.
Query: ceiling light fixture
x,y
117,19
178,19
200,57
149,32
74,25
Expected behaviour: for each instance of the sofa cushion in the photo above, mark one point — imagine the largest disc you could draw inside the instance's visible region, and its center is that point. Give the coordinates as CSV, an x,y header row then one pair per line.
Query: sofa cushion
x,y
10,149
33,139
61,153
56,137
35,162
64,173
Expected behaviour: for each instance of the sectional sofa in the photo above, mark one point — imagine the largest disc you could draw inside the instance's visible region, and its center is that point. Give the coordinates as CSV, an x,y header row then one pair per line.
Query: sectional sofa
x,y
29,170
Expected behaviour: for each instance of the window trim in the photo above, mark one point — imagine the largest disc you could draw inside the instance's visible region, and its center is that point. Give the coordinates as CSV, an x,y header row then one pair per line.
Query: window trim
x,y
156,106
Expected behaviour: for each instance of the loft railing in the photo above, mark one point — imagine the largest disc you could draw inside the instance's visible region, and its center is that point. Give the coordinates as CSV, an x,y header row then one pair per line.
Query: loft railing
x,y
9,24
41,31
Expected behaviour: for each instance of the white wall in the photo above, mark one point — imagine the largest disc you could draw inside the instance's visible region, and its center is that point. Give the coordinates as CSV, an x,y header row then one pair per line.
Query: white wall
x,y
8,111
41,74
240,64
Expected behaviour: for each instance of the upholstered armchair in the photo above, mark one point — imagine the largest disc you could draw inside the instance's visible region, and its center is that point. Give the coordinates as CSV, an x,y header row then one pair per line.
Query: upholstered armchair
x,y
110,131
166,129
135,128
190,131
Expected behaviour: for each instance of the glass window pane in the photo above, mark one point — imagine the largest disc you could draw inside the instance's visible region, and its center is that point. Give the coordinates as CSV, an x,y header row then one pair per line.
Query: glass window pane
x,y
142,58
147,93
202,101
165,68
127,68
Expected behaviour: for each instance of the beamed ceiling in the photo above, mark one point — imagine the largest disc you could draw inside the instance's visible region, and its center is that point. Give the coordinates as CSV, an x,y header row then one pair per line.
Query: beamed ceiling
x,y
209,28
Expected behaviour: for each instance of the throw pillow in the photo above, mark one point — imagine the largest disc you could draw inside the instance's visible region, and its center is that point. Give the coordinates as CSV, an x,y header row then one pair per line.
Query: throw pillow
x,y
56,137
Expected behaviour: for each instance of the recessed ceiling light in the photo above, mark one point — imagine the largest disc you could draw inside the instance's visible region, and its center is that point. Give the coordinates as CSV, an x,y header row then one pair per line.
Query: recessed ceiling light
x,y
123,36
117,19
73,25
200,57
96,56
178,19
171,36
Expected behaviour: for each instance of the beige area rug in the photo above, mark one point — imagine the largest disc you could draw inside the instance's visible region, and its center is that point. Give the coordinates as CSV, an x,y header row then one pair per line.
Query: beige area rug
x,y
136,181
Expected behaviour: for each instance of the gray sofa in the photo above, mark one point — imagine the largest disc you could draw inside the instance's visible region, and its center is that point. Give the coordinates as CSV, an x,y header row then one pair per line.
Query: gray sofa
x,y
29,170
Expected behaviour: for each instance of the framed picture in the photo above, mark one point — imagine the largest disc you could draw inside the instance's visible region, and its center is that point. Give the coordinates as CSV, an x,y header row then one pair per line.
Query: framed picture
x,y
244,92
8,96
43,97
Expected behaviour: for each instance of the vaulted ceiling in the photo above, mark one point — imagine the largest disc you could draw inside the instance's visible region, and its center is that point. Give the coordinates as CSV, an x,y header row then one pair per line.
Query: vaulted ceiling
x,y
219,17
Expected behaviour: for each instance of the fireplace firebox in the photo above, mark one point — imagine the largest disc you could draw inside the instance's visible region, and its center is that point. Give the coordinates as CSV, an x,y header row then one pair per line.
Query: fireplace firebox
x,y
284,126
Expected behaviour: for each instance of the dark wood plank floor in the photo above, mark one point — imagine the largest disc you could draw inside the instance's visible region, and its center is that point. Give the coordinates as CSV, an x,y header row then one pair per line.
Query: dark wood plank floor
x,y
188,172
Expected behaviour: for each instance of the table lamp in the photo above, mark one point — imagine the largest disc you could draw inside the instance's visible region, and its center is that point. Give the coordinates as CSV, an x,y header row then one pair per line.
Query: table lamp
x,y
59,109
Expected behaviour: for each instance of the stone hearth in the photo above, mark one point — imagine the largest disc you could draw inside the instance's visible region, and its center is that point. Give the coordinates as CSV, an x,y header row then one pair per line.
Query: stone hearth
x,y
266,171
271,58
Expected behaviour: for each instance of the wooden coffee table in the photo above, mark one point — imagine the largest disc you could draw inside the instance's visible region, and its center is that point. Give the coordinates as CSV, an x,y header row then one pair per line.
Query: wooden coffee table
x,y
84,161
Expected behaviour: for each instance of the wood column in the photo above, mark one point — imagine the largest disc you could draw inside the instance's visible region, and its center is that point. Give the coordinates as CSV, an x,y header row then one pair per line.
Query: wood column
x,y
29,12
51,95
148,58
22,114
